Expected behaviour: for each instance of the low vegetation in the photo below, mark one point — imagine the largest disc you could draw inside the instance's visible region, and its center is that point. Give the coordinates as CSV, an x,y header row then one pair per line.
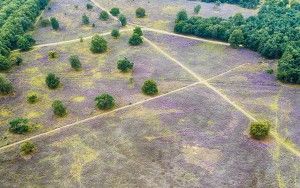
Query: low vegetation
x,y
138,31
85,19
19,125
260,130
124,65
52,81
150,87
98,44
32,98
115,33
27,148
54,23
104,16
123,20
140,12
5,86
115,11
135,40
59,109
105,101
75,62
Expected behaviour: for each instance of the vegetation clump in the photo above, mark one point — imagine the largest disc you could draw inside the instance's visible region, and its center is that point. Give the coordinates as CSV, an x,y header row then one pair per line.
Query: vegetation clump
x,y
98,44
135,40
5,86
32,98
150,87
75,62
105,101
104,16
16,59
115,33
85,19
53,54
27,148
25,42
59,109
236,38
54,23
123,20
140,12
124,65
197,9
260,130
19,125
45,22
115,11
89,6
138,31
52,81
5,63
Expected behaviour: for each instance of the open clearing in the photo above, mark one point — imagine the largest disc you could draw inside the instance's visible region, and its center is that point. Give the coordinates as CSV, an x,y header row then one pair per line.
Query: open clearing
x,y
193,133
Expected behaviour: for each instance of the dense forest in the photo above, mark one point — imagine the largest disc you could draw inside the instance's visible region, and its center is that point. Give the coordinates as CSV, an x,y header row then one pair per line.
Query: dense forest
x,y
274,33
242,3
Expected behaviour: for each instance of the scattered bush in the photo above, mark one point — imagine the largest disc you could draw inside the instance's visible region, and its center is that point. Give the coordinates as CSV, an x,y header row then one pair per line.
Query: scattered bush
x,y
93,25
54,23
140,12
98,44
270,71
115,11
125,65
150,87
52,54
19,125
123,20
75,62
59,109
197,9
104,16
89,6
27,148
5,63
260,130
32,98
45,22
105,101
16,59
135,40
138,31
115,33
85,19
52,81
5,86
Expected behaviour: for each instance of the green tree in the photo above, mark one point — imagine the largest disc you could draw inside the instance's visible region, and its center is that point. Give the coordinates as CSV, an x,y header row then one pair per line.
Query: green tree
x,y
125,65
85,19
75,62
5,86
181,16
54,23
19,125
123,20
260,130
115,11
105,101
98,44
140,12
59,109
52,81
24,44
135,40
236,38
27,148
138,31
104,16
5,63
150,87
115,33
197,9
89,6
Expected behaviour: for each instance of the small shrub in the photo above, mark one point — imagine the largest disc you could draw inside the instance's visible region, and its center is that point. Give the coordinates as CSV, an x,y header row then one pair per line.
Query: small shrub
x,y
125,65
140,12
260,130
138,31
89,6
105,101
93,25
45,22
115,11
27,148
75,62
19,125
33,98
197,9
16,59
5,86
98,44
54,23
104,16
52,54
270,71
52,81
123,20
135,40
81,39
115,33
150,87
85,19
59,109
5,63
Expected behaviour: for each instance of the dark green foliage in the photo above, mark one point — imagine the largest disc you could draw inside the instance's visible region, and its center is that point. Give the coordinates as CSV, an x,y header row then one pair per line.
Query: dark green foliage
x,y
27,148
98,44
181,16
115,33
260,130
59,109
43,4
105,101
236,38
115,11
52,54
5,63
242,3
25,42
85,19
270,71
150,87
197,9
19,125
32,98
89,6
140,12
52,81
135,40
16,59
45,22
54,23
5,86
123,20
104,16
75,62
138,31
125,65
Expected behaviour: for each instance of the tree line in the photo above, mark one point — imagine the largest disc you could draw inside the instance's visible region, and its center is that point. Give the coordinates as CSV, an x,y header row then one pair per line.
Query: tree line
x,y
242,3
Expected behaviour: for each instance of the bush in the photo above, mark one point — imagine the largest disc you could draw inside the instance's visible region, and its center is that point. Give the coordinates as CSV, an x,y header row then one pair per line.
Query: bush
x,y
140,13
260,130
45,22
75,62
98,44
52,81
33,98
19,125
23,44
16,59
5,86
58,108
27,148
104,16
125,65
54,23
5,63
135,40
123,20
150,87
115,11
89,6
181,16
270,71
138,31
53,54
115,33
105,102
197,9
85,19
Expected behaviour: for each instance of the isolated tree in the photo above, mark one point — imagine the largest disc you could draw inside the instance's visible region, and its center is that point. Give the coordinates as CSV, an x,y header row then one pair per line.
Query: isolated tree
x,y
104,16
135,40
59,109
140,12
138,31
197,9
98,44
85,19
181,16
54,23
52,81
236,38
125,65
19,125
5,86
260,130
115,11
5,63
89,6
105,101
150,87
123,20
32,98
27,148
115,33
75,62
